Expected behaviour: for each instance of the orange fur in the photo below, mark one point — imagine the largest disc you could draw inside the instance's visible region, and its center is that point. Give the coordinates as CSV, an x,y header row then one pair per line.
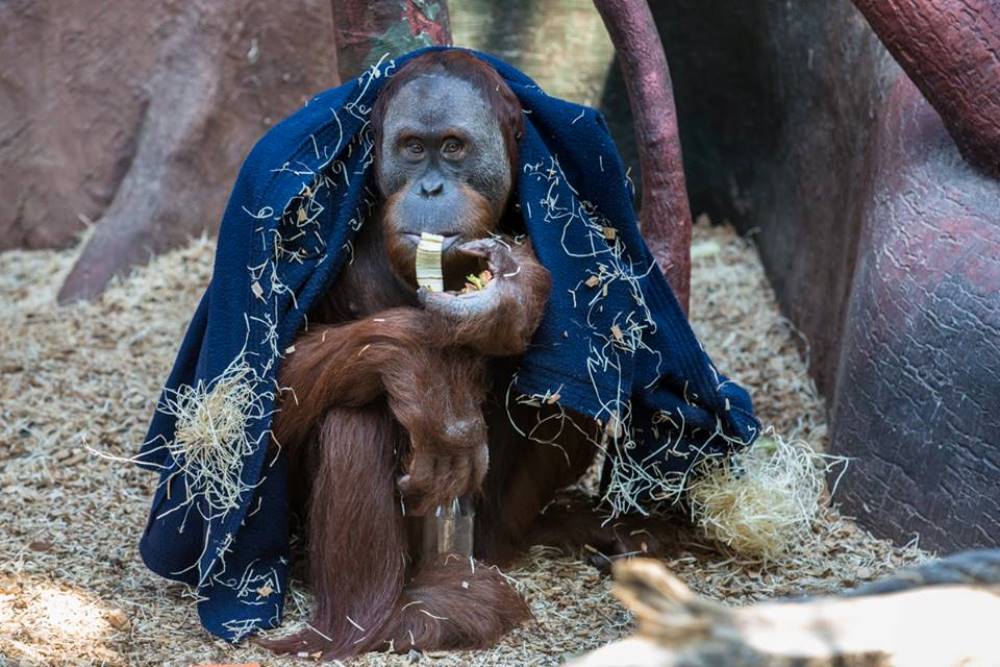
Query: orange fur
x,y
395,407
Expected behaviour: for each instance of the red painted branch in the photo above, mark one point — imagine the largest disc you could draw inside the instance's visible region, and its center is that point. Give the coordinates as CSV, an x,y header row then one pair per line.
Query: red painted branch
x,y
665,215
367,29
951,50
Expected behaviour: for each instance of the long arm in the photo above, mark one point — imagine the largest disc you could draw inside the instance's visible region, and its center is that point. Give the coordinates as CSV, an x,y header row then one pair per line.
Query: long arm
x,y
434,391
342,365
429,365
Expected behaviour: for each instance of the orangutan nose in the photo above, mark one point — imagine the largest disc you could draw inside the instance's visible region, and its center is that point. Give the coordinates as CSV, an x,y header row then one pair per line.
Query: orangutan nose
x,y
431,188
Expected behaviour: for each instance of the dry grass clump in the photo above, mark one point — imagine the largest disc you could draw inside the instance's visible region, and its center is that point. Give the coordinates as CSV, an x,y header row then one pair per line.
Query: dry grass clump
x,y
211,441
761,503
72,588
764,504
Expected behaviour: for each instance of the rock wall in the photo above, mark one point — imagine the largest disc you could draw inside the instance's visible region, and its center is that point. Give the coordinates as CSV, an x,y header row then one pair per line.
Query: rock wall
x,y
107,108
918,396
882,244
776,102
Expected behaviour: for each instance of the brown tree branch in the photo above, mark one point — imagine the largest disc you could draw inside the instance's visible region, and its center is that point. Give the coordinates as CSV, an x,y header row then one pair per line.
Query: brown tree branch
x,y
665,214
951,51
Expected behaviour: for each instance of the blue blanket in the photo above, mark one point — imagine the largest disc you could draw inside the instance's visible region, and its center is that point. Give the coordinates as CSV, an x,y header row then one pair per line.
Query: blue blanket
x,y
613,343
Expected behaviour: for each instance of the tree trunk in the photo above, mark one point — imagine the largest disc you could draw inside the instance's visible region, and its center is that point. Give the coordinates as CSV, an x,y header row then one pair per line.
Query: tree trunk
x,y
951,51
366,31
665,214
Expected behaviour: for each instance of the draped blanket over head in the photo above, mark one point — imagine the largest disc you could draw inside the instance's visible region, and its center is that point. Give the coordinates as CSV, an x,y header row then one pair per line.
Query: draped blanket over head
x,y
613,343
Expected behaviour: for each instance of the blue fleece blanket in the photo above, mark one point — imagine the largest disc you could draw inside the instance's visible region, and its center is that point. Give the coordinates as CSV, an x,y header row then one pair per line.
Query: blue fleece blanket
x,y
613,344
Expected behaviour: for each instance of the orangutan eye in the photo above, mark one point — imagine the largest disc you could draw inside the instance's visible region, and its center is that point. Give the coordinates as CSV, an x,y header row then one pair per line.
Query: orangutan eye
x,y
452,147
414,147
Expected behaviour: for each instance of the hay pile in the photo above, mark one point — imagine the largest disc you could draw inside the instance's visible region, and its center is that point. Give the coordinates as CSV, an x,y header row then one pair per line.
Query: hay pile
x,y
72,590
763,502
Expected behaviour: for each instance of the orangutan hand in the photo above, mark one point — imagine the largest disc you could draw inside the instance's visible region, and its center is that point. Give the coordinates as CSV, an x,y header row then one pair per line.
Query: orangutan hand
x,y
437,395
500,319
436,476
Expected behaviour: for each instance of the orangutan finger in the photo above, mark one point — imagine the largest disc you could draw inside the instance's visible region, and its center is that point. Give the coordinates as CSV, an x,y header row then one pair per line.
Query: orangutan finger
x,y
422,468
496,251
481,462
504,263
461,474
420,471
440,301
411,498
477,247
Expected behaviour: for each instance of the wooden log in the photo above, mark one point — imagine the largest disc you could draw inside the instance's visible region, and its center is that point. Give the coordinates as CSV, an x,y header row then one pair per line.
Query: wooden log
x,y
941,614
